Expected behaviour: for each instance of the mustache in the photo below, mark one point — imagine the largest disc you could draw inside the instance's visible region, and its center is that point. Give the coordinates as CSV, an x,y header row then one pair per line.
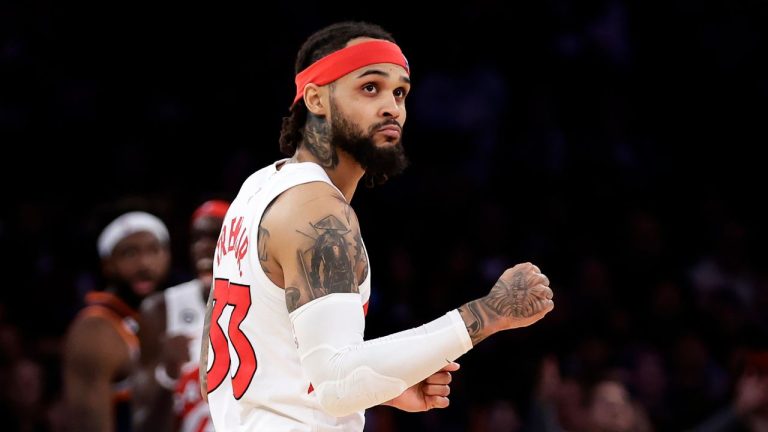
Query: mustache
x,y
143,275
390,122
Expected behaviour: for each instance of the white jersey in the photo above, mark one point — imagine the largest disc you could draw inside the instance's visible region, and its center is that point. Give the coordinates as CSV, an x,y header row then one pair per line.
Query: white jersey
x,y
185,315
255,380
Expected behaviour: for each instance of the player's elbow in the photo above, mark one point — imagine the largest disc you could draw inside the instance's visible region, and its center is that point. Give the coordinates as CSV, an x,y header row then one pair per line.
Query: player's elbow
x,y
341,404
336,407
361,389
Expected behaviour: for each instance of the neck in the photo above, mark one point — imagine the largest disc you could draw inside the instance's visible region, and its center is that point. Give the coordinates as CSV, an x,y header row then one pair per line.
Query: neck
x,y
126,294
342,169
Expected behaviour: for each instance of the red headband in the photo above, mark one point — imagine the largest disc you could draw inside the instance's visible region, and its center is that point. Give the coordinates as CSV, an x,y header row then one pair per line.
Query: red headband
x,y
213,208
339,63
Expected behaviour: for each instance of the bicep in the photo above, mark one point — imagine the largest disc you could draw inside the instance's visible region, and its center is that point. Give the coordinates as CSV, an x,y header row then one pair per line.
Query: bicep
x,y
318,247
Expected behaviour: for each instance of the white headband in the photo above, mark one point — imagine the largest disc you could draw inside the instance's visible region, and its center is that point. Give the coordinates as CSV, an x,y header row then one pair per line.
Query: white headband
x,y
127,224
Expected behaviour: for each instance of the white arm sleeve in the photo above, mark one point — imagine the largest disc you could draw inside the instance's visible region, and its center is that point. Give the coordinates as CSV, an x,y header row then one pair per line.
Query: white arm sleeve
x,y
350,374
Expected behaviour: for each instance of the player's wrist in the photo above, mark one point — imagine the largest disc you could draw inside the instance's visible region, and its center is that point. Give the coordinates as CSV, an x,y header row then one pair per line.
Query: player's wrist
x,y
479,322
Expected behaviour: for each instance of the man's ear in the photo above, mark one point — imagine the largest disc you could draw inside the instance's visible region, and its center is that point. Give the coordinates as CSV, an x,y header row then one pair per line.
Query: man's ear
x,y
314,96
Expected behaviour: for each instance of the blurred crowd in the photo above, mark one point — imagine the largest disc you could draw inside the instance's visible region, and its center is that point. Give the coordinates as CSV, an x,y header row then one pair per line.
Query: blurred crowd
x,y
609,142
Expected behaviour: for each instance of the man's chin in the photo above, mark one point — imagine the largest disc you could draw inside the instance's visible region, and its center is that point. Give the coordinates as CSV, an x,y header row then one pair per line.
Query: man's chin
x,y
206,278
386,142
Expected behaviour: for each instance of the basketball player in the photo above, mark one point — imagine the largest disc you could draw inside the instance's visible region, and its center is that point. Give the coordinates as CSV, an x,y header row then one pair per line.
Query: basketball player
x,y
101,348
170,336
292,279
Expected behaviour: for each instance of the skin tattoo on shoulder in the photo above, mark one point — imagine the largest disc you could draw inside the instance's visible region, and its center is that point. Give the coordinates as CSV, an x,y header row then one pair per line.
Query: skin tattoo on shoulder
x,y
317,139
361,258
262,247
292,296
327,266
361,264
263,237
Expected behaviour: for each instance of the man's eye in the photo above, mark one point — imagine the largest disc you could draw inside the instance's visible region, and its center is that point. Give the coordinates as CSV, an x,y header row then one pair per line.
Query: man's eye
x,y
370,88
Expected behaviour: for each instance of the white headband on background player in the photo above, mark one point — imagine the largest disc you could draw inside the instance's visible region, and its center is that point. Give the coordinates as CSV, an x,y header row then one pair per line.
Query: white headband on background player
x,y
127,224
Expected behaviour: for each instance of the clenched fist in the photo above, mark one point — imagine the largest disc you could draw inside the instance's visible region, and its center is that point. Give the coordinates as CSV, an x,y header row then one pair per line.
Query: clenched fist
x,y
520,297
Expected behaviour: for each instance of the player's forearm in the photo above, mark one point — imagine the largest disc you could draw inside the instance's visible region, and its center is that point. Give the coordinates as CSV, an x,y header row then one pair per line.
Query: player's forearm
x,y
479,319
350,374
86,416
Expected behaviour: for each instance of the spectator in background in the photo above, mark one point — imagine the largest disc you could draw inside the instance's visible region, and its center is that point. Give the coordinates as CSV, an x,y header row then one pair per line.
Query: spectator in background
x,y
610,408
748,411
600,404
170,336
101,348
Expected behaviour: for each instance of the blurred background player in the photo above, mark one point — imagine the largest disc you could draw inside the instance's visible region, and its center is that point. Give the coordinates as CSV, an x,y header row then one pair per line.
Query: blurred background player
x,y
101,348
170,337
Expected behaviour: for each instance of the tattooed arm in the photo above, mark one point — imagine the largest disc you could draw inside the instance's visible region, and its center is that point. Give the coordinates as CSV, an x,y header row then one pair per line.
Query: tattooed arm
x,y
520,297
314,244
313,236
312,247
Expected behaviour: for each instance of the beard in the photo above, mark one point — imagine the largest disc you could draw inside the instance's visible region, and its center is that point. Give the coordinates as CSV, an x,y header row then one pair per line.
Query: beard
x,y
124,289
379,163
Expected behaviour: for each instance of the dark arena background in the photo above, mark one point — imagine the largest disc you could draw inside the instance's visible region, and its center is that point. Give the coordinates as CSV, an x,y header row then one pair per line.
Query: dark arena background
x,y
615,144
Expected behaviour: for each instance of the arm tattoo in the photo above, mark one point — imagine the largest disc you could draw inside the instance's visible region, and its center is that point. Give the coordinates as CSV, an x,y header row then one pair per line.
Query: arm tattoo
x,y
361,258
262,239
476,324
292,296
506,299
327,266
317,139
476,316
262,243
347,208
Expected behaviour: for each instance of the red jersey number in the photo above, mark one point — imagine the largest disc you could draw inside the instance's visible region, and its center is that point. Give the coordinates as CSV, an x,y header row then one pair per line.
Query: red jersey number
x,y
238,296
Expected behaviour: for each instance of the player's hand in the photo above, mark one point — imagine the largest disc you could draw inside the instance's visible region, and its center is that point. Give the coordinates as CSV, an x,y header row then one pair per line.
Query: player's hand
x,y
175,354
520,297
431,393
